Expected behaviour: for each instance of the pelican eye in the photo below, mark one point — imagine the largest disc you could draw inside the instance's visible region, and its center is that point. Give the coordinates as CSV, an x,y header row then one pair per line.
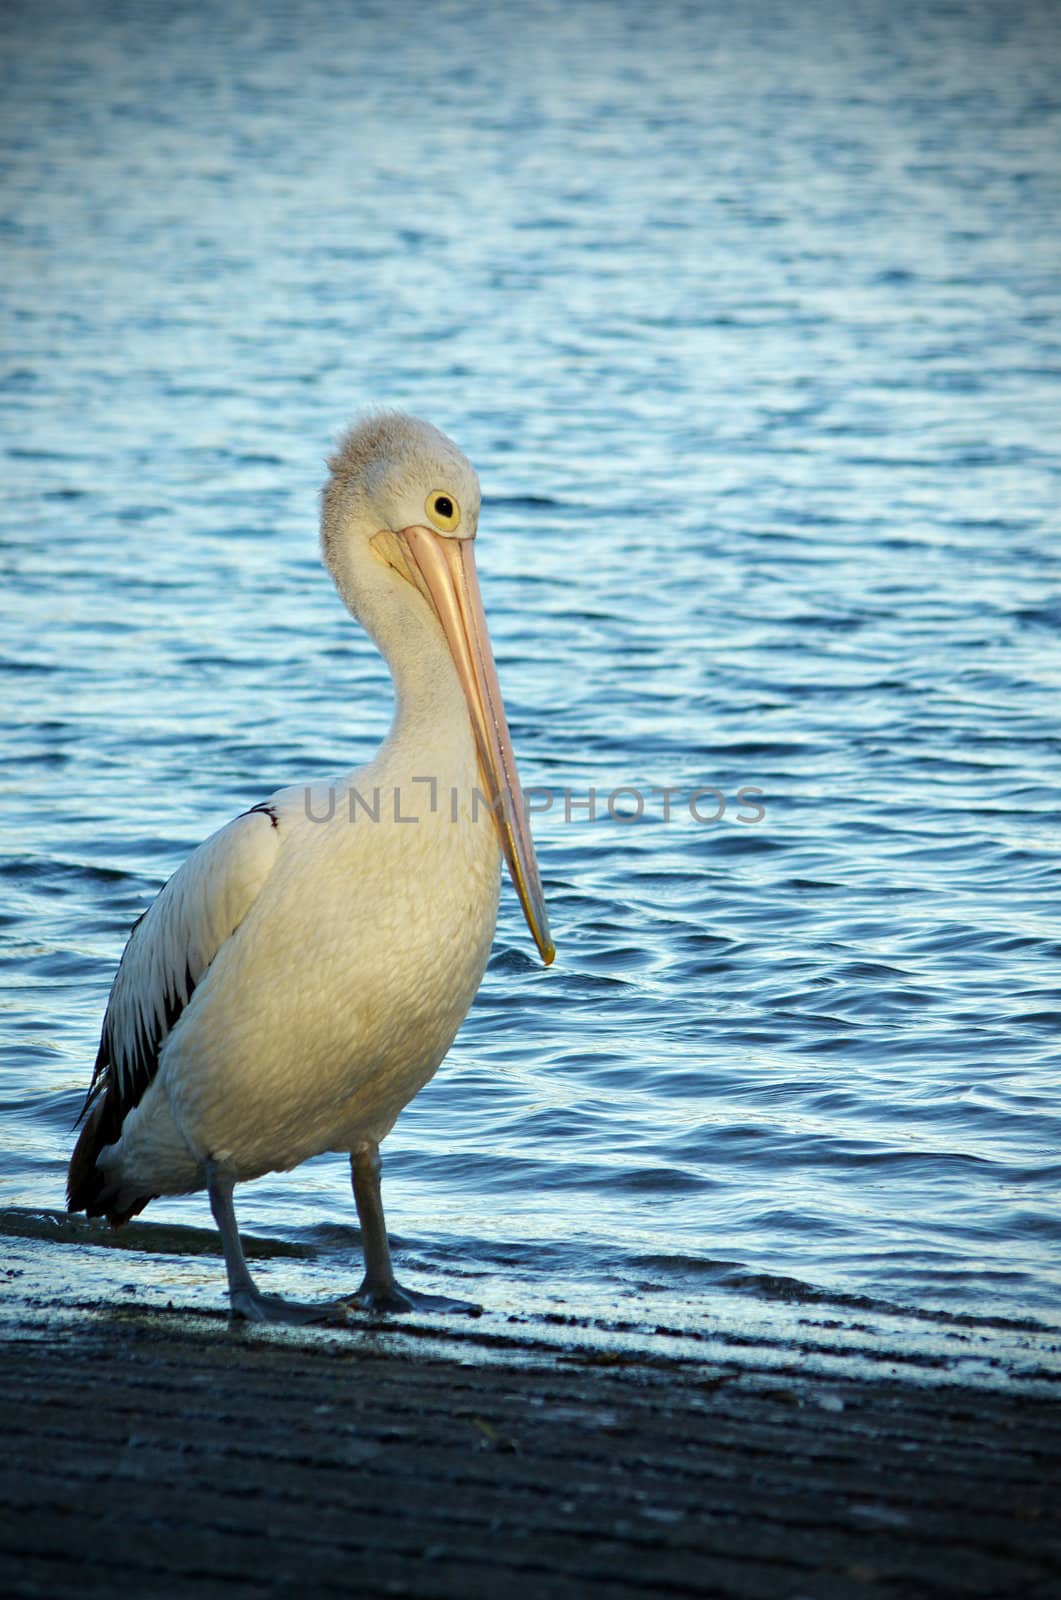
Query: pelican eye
x,y
443,510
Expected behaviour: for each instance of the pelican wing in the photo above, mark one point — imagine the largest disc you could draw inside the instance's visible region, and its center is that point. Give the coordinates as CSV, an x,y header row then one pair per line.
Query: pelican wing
x,y
171,947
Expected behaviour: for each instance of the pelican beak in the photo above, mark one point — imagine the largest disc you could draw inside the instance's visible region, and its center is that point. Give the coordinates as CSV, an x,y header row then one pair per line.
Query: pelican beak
x,y
443,569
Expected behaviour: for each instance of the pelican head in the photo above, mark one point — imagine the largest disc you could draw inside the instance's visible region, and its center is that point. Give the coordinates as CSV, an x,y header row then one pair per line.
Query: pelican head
x,y
400,513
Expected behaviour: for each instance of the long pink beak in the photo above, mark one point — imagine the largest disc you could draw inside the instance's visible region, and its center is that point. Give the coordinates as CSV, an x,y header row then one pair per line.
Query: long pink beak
x,y
446,568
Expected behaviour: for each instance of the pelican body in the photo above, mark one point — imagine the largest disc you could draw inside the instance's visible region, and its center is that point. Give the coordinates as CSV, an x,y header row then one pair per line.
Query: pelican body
x,y
304,973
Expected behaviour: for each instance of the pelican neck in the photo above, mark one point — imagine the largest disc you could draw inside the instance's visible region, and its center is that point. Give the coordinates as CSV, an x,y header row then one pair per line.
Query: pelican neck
x,y
431,723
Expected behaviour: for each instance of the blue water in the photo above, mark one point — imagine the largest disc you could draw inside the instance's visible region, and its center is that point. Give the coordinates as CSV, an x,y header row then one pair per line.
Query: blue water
x,y
749,318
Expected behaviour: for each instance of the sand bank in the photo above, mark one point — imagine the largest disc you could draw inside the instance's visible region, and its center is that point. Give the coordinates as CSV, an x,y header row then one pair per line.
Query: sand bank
x,y
158,1454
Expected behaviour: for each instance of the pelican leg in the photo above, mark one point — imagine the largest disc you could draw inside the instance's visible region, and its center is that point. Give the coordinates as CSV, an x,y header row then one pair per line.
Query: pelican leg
x,y
379,1291
243,1293
246,1299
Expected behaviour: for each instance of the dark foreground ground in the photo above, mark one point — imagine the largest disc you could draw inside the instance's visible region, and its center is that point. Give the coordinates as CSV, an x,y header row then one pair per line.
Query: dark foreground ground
x,y
155,1457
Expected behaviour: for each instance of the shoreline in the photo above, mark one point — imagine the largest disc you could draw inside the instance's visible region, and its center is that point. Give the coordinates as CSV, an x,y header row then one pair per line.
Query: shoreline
x,y
164,1452
60,1261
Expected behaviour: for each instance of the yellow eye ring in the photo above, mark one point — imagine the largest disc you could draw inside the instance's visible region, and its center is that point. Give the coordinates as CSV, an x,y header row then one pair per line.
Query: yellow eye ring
x,y
443,510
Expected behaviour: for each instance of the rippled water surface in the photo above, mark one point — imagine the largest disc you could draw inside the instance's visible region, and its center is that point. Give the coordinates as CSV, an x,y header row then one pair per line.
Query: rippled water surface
x,y
748,317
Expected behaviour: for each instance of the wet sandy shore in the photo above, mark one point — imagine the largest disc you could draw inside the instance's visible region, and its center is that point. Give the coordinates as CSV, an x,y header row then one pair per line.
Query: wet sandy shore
x,y
166,1455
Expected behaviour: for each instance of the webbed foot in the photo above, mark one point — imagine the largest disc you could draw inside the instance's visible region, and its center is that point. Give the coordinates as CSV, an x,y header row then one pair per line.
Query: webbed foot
x,y
266,1308
391,1299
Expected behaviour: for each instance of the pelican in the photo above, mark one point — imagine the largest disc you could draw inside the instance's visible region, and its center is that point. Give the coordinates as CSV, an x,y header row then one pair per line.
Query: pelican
x,y
304,972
